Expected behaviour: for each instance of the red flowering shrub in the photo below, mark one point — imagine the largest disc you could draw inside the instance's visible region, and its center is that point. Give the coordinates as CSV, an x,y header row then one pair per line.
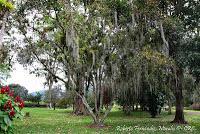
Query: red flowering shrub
x,y
10,108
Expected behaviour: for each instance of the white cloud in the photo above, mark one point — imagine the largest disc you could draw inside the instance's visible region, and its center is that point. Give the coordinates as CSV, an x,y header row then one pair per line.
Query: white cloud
x,y
21,76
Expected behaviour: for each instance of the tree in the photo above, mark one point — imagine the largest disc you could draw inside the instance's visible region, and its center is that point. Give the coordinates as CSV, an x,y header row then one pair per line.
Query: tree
x,y
5,8
155,103
38,97
50,81
178,41
53,95
66,52
19,91
35,98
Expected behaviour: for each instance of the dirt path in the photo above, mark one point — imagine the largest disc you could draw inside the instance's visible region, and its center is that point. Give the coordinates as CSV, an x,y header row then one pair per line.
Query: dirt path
x,y
193,112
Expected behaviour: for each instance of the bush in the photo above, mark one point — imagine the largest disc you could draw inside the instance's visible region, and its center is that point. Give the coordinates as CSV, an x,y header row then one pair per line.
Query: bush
x,y
35,98
155,103
35,105
10,108
65,102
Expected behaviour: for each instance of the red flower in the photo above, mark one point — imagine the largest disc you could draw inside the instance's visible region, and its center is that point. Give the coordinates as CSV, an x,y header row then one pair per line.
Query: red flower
x,y
9,104
17,99
5,107
3,91
21,105
12,112
20,101
6,88
11,94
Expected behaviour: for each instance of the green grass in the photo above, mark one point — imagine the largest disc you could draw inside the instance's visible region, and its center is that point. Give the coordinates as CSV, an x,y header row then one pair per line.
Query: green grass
x,y
45,121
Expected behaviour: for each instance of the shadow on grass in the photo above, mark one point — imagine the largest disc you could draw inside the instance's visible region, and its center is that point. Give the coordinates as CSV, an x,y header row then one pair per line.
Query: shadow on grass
x,y
137,114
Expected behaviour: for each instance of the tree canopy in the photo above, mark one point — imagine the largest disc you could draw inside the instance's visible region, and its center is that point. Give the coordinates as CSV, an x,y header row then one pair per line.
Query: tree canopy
x,y
126,48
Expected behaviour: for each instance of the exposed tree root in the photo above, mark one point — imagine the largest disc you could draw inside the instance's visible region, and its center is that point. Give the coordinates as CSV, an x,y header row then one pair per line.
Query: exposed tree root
x,y
177,121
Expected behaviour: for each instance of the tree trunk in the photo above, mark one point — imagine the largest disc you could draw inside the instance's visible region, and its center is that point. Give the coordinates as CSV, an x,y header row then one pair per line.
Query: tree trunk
x,y
133,107
170,107
179,115
79,108
50,105
50,82
136,107
54,106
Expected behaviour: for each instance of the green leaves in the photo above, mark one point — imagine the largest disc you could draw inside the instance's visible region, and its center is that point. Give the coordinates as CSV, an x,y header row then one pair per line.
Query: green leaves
x,y
156,57
4,127
6,4
10,108
7,121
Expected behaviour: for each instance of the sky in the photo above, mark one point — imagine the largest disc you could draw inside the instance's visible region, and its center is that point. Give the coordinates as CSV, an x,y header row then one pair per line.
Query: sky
x,y
21,76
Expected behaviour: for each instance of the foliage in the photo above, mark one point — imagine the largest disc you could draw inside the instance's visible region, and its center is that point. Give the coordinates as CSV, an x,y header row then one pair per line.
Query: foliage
x,y
91,100
19,91
4,72
189,88
157,58
55,94
35,98
126,100
6,4
10,108
191,56
196,96
3,54
38,97
66,99
65,102
32,104
155,103
4,63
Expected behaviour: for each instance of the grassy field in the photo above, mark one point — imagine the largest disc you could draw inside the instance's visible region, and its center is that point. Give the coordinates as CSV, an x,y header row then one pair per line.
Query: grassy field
x,y
45,121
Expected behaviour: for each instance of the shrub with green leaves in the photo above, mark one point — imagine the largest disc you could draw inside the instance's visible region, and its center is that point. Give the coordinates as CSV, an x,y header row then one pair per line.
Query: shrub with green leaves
x,y
10,108
4,4
155,103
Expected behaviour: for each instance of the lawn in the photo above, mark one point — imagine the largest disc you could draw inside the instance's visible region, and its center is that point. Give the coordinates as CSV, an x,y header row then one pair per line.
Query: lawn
x,y
45,121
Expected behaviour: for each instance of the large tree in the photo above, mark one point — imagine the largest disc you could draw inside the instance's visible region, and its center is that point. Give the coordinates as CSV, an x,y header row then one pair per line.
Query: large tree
x,y
78,45
19,91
